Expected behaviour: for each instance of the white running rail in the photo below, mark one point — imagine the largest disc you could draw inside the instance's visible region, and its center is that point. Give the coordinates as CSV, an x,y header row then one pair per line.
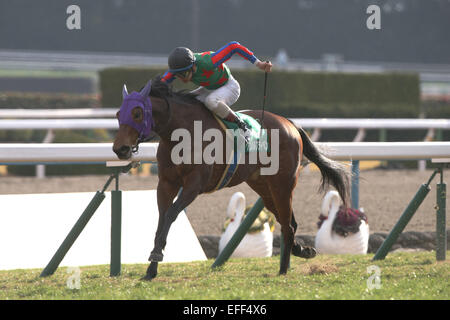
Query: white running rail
x,y
102,152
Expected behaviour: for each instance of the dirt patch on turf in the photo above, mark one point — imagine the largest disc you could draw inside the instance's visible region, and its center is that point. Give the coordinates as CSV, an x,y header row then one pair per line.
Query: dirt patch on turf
x,y
320,268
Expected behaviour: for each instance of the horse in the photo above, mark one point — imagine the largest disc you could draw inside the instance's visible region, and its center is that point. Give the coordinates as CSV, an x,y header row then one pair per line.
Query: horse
x,y
158,109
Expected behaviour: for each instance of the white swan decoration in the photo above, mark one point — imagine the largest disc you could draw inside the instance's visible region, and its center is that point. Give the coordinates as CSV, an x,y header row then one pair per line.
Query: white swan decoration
x,y
257,244
328,241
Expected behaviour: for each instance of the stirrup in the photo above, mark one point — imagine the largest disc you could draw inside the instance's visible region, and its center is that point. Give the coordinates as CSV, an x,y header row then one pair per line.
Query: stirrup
x,y
247,135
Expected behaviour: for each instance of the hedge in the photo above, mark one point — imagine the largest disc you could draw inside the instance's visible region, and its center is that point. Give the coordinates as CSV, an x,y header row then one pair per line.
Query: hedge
x,y
297,94
27,100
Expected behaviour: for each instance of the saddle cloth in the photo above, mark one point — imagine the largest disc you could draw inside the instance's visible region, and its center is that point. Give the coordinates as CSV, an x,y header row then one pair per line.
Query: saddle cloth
x,y
252,146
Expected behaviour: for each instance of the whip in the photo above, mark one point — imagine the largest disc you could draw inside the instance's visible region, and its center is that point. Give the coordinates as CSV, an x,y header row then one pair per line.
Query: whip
x,y
264,103
264,99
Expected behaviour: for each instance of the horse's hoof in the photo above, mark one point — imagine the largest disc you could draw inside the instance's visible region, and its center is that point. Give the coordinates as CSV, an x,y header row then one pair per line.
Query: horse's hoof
x,y
148,277
308,252
282,272
304,252
152,271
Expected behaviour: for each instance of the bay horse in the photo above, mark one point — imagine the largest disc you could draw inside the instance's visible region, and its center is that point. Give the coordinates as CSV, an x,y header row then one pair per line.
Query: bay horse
x,y
158,109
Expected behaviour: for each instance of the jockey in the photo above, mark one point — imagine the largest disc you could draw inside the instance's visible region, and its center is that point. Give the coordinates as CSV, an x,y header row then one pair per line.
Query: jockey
x,y
218,89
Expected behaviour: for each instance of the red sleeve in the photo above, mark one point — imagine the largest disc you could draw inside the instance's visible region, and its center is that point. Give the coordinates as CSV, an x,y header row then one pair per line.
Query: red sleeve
x,y
168,77
225,53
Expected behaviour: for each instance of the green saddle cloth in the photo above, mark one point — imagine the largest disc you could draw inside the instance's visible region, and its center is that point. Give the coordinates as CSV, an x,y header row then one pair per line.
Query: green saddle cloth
x,y
255,133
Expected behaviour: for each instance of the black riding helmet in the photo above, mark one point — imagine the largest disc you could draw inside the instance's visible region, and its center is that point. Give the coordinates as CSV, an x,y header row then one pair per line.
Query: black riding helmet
x,y
181,59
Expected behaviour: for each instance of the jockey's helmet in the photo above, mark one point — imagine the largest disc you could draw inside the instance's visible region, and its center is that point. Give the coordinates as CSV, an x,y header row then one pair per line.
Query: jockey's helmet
x,y
181,59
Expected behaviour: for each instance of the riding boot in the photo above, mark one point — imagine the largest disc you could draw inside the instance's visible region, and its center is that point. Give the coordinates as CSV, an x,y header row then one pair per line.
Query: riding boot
x,y
241,125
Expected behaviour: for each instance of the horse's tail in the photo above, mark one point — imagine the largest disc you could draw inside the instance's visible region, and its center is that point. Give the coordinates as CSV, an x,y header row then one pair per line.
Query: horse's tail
x,y
333,172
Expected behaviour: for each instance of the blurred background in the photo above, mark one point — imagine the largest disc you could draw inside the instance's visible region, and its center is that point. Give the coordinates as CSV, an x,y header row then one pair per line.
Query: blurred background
x,y
327,62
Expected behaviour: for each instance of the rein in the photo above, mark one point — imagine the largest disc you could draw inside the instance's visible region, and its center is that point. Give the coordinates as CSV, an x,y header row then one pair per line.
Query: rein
x,y
166,125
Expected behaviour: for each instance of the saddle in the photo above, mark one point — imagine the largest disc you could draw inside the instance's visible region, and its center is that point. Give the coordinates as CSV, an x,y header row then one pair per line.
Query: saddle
x,y
258,141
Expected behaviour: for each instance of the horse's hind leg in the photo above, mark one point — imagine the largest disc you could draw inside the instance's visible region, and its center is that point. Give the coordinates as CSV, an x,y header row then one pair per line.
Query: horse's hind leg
x,y
263,191
281,205
283,202
284,208
297,249
289,223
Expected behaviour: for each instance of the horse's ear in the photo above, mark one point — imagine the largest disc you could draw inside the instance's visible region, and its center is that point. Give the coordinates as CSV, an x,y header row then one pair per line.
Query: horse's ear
x,y
124,91
146,90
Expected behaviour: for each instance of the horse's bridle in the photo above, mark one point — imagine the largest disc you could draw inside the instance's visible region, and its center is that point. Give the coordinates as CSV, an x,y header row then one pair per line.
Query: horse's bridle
x,y
135,148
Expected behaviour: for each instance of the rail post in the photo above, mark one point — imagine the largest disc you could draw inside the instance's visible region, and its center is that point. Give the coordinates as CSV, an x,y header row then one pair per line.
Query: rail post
x,y
441,234
115,266
404,219
116,224
355,184
74,233
116,230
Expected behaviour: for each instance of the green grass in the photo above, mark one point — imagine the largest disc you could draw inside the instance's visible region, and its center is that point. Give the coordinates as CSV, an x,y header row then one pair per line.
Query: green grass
x,y
403,276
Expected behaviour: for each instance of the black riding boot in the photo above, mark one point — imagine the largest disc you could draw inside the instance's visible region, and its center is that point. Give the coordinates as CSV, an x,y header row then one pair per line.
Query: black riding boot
x,y
242,125
232,117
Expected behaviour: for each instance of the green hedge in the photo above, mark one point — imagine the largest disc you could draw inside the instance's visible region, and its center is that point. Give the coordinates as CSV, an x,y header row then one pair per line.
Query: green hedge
x,y
27,100
436,109
297,94
111,81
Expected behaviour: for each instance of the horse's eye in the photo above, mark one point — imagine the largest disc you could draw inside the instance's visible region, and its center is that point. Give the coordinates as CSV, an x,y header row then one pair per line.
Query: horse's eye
x,y
137,114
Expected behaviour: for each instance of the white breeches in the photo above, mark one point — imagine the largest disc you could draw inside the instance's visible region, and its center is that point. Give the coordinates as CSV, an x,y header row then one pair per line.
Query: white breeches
x,y
219,100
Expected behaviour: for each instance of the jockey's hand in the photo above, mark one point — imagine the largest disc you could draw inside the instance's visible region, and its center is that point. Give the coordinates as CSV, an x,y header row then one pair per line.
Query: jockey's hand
x,y
264,66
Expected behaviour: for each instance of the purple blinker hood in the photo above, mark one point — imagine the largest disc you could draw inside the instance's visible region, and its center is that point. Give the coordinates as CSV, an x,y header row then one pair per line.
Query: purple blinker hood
x,y
133,100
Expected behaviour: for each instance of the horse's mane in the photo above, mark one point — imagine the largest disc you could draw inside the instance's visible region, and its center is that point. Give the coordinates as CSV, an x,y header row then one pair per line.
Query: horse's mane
x,y
161,89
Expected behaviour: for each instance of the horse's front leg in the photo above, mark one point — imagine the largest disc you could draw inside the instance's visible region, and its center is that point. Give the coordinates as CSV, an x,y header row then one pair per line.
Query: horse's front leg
x,y
165,194
188,194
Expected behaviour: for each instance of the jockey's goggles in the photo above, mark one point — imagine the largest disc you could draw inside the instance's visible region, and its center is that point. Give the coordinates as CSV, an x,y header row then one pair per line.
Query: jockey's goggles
x,y
182,72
